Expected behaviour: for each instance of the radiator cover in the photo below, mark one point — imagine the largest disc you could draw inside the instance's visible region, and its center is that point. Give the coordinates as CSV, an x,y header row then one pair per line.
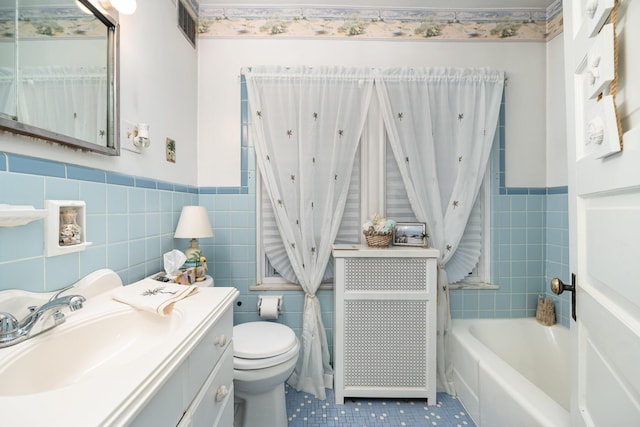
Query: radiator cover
x,y
384,339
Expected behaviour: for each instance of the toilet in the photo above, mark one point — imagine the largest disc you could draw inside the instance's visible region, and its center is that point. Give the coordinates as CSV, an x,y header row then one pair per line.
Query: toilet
x,y
265,354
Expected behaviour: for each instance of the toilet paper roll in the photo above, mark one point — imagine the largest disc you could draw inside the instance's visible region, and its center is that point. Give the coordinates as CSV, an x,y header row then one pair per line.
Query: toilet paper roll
x,y
269,308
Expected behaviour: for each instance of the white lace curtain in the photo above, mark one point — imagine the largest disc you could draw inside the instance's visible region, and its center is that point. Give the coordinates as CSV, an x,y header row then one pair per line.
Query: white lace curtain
x,y
7,91
70,100
441,124
306,125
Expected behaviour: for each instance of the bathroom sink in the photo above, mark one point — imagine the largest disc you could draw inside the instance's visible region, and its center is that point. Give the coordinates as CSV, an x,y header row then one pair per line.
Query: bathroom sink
x,y
108,360
83,347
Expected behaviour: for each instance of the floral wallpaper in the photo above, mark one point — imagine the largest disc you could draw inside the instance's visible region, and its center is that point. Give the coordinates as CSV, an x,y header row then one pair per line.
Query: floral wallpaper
x,y
380,23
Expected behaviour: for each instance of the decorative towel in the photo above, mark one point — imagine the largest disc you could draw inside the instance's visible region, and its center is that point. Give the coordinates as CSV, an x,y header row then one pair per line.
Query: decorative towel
x,y
153,296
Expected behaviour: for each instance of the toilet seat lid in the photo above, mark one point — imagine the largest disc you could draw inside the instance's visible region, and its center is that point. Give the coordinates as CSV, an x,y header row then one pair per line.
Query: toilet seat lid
x,y
259,340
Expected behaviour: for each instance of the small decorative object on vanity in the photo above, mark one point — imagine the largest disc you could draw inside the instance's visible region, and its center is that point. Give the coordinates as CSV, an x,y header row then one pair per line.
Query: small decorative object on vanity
x,y
70,231
378,231
201,269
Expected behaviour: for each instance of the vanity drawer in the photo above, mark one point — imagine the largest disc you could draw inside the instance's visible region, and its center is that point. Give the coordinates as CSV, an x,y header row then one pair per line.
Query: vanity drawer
x,y
214,402
206,354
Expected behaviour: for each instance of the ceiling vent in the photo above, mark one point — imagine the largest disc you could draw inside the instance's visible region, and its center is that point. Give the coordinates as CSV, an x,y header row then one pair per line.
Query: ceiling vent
x,y
187,23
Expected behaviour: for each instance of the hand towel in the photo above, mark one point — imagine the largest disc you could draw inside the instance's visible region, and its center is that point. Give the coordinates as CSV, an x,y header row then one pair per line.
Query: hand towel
x,y
153,296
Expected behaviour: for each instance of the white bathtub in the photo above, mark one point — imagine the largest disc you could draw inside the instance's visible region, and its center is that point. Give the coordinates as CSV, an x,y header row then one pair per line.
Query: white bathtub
x,y
512,372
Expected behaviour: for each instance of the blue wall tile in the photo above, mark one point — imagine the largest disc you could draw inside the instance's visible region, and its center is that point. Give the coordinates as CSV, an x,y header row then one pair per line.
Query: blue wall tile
x,y
152,224
137,252
152,200
35,166
113,210
96,229
137,224
61,189
165,186
24,274
137,202
94,195
117,199
62,270
145,183
118,256
117,228
86,174
17,243
120,179
92,259
22,189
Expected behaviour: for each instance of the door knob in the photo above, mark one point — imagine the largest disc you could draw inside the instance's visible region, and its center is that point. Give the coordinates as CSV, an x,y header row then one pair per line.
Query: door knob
x,y
558,287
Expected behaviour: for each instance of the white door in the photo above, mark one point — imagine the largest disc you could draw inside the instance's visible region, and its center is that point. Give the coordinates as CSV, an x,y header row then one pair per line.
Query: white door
x,y
604,212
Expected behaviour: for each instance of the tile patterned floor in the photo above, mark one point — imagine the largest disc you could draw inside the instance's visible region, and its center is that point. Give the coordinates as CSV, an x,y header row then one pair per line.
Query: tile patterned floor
x,y
304,410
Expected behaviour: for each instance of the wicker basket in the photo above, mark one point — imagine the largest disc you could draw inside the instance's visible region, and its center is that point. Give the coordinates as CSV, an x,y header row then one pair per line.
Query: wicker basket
x,y
378,240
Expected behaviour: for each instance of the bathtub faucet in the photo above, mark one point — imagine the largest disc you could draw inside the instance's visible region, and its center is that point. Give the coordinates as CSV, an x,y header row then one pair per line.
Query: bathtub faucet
x,y
40,319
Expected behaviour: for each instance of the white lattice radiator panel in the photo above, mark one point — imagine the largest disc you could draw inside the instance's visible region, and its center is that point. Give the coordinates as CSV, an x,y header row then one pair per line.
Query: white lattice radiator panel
x,y
385,323
386,274
385,344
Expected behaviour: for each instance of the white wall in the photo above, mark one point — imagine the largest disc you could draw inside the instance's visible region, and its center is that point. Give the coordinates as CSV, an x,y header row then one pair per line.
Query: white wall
x,y
556,117
220,62
158,86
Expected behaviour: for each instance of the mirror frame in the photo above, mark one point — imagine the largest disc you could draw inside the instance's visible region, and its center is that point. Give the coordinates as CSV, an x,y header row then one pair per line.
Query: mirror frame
x,y
113,103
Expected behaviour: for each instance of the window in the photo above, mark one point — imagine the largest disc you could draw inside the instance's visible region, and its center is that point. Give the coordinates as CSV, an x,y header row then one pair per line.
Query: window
x,y
376,187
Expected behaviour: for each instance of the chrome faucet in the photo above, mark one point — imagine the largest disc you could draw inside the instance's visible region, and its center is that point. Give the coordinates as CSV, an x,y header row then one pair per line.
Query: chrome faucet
x,y
40,319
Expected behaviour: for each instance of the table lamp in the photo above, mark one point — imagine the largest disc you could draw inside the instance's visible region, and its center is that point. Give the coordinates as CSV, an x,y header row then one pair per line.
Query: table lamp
x,y
193,223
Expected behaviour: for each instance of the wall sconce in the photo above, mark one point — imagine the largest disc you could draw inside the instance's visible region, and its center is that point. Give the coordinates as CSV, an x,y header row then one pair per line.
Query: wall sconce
x,y
126,7
140,135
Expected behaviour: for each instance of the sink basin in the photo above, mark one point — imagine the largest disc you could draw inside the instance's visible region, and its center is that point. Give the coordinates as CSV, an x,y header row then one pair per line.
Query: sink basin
x,y
108,361
62,356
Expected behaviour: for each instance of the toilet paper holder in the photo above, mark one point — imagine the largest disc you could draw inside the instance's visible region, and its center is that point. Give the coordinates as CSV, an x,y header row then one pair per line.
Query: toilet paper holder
x,y
270,296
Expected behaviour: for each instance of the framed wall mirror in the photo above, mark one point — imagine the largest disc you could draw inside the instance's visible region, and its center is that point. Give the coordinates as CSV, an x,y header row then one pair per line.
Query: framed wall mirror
x,y
59,73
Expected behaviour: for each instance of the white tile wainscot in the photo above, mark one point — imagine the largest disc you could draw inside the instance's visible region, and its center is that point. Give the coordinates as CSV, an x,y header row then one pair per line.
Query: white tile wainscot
x,y
385,322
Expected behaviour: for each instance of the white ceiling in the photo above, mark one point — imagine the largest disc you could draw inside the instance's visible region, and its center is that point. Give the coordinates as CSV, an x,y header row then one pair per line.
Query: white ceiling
x,y
436,4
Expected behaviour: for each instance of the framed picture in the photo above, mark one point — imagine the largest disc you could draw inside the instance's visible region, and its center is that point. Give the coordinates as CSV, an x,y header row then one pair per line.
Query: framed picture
x,y
410,234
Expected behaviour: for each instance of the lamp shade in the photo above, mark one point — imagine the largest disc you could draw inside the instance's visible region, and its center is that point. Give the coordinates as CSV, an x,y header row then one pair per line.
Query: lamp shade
x,y
193,223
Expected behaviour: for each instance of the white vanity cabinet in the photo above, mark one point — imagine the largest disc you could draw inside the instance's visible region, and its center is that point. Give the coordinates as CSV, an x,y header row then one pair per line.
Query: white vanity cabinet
x,y
385,322
120,366
200,392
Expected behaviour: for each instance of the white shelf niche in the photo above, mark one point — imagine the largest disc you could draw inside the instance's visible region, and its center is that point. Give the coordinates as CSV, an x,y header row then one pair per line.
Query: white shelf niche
x,y
17,215
52,244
